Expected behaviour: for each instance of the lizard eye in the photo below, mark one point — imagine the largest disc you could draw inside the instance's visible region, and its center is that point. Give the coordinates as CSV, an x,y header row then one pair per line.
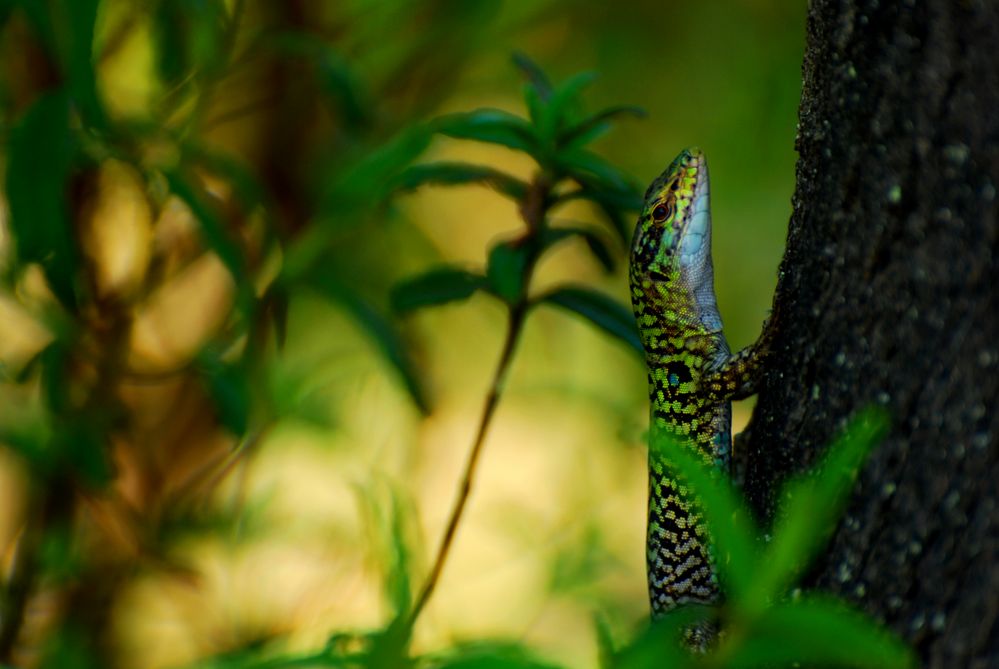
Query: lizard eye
x,y
662,212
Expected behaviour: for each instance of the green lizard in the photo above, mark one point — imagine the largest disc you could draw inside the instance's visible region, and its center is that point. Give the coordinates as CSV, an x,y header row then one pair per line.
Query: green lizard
x,y
692,374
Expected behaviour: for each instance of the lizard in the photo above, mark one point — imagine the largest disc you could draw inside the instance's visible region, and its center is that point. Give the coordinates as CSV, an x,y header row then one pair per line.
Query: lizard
x,y
693,376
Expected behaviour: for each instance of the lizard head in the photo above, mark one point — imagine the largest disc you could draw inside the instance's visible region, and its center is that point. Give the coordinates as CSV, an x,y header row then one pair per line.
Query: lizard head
x,y
671,249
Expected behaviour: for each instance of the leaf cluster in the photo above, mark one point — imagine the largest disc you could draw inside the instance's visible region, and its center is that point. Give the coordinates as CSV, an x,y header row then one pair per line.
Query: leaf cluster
x,y
554,134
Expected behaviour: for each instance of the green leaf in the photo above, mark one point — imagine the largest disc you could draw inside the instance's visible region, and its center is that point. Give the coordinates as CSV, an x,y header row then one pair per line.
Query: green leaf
x,y
490,125
505,271
436,287
366,181
565,103
661,643
605,312
536,78
812,504
730,525
42,151
229,386
455,173
613,204
379,328
595,125
820,631
592,171
215,234
485,655
594,241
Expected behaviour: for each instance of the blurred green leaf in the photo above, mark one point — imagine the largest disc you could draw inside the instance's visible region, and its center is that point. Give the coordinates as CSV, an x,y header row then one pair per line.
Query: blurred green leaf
x,y
661,643
536,78
592,171
594,241
189,36
730,525
215,234
379,329
436,287
811,504
490,125
563,106
365,181
613,204
485,655
596,125
505,272
605,312
454,174
229,386
819,631
41,154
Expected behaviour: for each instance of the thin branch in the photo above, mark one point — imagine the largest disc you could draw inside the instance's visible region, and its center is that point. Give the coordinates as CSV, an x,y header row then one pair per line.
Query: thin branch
x,y
513,331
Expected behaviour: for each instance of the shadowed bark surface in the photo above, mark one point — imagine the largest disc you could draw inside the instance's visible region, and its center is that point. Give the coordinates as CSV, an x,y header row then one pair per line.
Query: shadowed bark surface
x,y
888,295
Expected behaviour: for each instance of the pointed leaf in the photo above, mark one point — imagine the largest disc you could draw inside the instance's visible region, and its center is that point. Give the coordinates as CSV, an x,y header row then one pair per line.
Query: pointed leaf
x,y
592,171
812,504
505,272
229,387
613,204
215,234
536,78
730,525
42,150
661,643
490,125
596,125
454,174
436,287
380,330
594,240
563,106
605,312
820,631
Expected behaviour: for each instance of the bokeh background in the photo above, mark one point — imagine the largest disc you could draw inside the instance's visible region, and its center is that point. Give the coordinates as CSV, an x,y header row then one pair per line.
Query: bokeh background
x,y
260,474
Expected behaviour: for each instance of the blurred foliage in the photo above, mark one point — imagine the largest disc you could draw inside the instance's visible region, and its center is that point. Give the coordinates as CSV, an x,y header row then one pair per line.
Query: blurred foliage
x,y
204,249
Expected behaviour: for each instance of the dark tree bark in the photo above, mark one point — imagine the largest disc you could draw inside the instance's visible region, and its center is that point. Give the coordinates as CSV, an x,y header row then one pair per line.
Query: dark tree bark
x,y
889,294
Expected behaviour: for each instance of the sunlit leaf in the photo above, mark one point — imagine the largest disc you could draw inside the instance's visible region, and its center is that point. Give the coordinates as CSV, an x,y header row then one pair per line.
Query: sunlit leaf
x,y
811,504
596,125
819,631
594,241
490,125
455,174
605,312
505,272
40,157
436,287
730,525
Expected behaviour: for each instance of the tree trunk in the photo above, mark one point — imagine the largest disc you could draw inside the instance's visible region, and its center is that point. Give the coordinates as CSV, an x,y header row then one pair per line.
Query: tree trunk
x,y
888,295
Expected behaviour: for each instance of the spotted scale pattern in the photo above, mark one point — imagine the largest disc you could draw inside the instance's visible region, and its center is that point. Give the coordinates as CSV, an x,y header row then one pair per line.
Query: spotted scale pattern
x,y
692,374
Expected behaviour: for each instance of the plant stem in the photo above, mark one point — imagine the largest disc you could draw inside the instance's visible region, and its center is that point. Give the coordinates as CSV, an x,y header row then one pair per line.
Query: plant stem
x,y
514,328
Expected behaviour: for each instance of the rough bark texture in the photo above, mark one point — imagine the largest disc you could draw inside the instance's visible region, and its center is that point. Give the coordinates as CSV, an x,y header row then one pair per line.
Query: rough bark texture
x,y
888,294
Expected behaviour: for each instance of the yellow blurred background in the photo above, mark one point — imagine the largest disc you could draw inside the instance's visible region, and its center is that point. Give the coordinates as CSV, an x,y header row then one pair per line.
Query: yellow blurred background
x,y
207,543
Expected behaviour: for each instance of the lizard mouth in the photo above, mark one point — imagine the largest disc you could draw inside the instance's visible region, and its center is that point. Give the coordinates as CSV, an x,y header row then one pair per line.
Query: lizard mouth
x,y
695,234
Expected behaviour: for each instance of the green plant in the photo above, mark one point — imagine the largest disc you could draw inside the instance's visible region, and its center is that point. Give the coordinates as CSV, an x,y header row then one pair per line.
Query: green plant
x,y
554,136
768,622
